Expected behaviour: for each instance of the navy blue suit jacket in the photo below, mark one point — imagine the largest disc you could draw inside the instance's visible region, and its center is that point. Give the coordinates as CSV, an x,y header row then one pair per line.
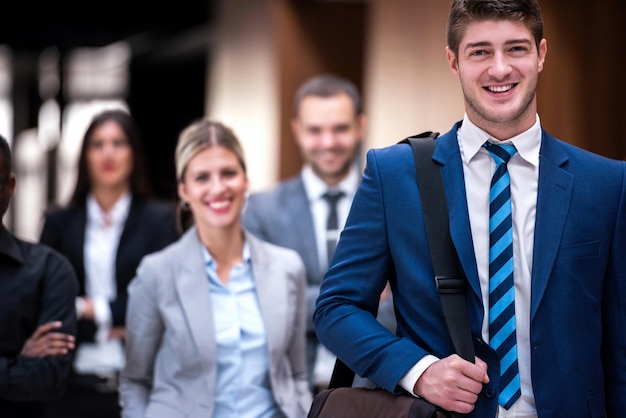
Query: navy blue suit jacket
x,y
578,290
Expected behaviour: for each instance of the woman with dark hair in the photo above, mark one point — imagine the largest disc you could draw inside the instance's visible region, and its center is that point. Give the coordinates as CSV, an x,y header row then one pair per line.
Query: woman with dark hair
x,y
110,223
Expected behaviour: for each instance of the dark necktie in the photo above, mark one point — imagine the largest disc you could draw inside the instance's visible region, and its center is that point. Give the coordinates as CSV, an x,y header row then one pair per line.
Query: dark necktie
x,y
501,286
332,223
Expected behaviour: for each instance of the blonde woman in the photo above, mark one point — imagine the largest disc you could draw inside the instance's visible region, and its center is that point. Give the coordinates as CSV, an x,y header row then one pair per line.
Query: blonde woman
x,y
216,321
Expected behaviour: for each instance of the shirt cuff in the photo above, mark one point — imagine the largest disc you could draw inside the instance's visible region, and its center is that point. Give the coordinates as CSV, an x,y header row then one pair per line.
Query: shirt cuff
x,y
102,318
410,378
79,303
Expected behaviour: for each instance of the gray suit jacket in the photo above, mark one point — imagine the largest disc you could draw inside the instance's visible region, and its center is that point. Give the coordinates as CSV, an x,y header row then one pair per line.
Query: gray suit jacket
x,y
282,216
171,368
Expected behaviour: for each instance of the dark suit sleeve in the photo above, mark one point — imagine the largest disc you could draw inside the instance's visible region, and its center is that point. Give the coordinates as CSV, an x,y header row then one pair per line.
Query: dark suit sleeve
x,y
28,378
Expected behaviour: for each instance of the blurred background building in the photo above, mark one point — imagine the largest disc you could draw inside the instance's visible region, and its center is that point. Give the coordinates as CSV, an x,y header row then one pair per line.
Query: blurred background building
x,y
240,61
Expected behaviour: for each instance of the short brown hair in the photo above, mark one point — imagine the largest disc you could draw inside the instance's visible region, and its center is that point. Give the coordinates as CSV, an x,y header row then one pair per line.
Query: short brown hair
x,y
327,85
462,12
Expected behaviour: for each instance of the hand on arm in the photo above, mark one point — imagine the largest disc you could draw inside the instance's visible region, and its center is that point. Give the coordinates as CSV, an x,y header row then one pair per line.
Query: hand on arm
x,y
44,342
117,333
87,310
453,383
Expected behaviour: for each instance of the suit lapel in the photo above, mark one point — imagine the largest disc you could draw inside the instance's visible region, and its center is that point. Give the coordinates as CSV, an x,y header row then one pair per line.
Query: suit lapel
x,y
192,285
272,296
447,153
76,229
126,252
553,201
302,224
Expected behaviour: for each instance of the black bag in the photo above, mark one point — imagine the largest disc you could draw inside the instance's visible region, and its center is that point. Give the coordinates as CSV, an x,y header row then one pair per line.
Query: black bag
x,y
355,402
343,401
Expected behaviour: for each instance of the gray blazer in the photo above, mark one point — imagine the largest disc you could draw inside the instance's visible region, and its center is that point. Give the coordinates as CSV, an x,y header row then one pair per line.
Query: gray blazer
x,y
171,368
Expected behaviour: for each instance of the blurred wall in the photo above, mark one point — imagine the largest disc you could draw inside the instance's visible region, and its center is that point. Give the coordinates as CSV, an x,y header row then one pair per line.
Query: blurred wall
x,y
243,87
394,50
262,51
409,88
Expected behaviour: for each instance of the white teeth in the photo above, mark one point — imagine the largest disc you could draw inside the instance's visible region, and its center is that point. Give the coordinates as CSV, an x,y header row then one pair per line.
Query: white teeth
x,y
219,205
500,89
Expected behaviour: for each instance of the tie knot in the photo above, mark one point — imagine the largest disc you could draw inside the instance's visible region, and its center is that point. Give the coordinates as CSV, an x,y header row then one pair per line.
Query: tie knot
x,y
332,196
500,153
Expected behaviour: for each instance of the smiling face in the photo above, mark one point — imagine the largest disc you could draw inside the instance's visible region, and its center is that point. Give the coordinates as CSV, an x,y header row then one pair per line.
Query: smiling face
x,y
328,132
498,66
109,157
214,185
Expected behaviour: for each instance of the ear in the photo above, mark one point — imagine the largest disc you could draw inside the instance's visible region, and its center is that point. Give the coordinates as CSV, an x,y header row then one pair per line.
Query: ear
x,y
11,185
543,51
296,128
452,61
362,125
182,191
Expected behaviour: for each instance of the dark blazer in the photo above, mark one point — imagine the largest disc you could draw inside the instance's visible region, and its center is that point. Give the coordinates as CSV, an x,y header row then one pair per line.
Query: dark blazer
x,y
578,290
150,226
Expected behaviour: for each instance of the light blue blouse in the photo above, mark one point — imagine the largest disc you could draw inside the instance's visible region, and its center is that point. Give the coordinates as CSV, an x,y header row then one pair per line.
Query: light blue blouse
x,y
243,384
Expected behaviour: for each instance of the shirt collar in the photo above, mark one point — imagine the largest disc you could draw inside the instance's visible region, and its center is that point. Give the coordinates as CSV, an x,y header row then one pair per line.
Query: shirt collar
x,y
315,187
209,261
471,139
117,214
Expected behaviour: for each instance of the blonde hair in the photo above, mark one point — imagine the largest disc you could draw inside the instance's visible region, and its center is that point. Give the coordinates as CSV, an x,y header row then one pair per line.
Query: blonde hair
x,y
203,134
197,137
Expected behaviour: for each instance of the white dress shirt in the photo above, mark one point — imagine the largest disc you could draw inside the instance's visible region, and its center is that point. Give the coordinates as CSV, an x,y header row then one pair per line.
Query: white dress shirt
x,y
315,189
478,168
102,237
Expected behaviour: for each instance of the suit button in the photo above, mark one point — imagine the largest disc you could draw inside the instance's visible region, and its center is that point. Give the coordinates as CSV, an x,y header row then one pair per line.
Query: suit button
x,y
490,392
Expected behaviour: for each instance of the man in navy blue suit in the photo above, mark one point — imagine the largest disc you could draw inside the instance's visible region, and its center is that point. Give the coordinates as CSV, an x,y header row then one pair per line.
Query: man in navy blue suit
x,y
569,251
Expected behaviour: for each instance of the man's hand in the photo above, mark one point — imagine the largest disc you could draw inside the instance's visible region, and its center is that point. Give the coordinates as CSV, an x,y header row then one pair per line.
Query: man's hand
x,y
453,383
44,342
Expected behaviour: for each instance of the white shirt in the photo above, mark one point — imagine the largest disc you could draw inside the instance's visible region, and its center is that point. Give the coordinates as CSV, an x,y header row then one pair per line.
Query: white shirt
x,y
478,168
101,242
243,384
315,189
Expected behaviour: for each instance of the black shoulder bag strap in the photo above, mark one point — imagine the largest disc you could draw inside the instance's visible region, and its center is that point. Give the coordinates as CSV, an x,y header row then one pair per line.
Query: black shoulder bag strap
x,y
450,280
449,277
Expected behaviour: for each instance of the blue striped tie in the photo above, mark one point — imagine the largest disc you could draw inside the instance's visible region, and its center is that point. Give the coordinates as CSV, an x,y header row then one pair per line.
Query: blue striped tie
x,y
501,288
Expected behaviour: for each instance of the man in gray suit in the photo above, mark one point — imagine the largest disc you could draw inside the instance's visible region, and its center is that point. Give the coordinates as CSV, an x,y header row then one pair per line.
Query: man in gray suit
x,y
328,126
